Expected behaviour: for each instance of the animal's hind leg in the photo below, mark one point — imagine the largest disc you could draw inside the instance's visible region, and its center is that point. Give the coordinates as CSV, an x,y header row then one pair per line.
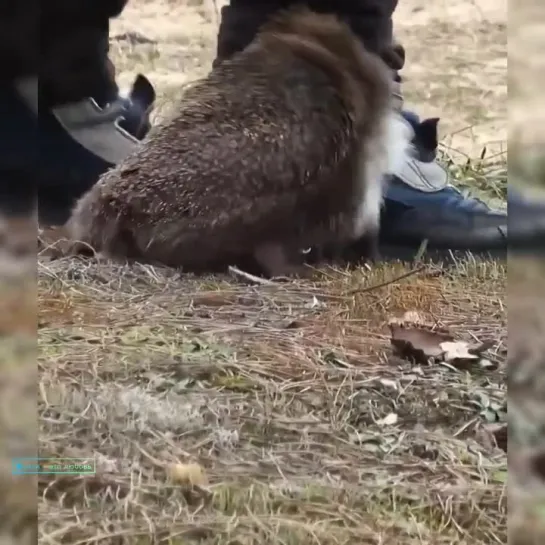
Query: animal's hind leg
x,y
276,260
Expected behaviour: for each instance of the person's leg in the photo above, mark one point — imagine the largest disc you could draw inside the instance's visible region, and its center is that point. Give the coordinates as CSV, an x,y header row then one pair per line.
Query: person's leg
x,y
59,137
19,56
420,203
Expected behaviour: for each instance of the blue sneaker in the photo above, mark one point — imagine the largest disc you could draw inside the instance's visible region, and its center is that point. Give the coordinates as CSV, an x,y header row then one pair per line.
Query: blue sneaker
x,y
422,205
60,153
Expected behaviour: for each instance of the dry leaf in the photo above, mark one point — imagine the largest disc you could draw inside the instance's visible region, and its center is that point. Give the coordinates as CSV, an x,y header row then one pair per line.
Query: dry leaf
x,y
188,474
418,344
422,344
462,355
456,350
388,420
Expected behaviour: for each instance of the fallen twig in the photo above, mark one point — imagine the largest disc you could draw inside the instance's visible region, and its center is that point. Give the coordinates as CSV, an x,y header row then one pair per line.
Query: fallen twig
x,y
252,278
387,282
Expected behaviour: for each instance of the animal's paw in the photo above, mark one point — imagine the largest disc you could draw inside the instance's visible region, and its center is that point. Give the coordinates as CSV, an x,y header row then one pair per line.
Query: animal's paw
x,y
55,243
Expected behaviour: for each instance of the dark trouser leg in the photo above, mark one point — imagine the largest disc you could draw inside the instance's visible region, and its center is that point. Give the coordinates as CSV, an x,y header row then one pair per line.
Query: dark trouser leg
x,y
82,126
369,19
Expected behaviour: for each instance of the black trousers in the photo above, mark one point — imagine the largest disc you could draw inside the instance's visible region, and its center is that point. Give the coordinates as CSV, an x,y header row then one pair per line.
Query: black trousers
x,y
371,20
64,42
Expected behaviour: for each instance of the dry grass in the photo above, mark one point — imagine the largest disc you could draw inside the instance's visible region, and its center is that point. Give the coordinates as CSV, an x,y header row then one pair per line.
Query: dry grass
x,y
282,393
18,379
457,69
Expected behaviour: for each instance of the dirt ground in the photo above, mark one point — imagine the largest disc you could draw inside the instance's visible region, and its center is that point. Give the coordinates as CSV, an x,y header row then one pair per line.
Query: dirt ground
x,y
292,418
304,426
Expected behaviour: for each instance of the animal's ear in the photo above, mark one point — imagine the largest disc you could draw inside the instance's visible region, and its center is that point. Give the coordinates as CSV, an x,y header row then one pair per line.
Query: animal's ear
x,y
142,95
428,133
143,92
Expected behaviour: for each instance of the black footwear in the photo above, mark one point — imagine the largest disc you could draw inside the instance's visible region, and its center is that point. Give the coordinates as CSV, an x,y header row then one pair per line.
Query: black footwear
x,y
60,150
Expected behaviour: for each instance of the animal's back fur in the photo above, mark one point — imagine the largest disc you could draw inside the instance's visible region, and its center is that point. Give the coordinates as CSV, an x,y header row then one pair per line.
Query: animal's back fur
x,y
263,149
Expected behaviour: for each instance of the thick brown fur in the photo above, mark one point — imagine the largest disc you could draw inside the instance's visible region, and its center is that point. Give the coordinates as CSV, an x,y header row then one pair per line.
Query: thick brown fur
x,y
261,158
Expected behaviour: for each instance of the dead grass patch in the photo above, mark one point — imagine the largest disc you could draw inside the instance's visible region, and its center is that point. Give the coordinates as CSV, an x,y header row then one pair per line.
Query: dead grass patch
x,y
283,394
18,418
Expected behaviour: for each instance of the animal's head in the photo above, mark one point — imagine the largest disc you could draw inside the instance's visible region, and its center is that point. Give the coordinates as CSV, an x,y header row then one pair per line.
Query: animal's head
x,y
426,139
142,99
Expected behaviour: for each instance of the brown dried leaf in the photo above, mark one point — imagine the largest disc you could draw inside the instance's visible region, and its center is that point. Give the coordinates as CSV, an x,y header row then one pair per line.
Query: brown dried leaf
x,y
414,340
418,344
462,355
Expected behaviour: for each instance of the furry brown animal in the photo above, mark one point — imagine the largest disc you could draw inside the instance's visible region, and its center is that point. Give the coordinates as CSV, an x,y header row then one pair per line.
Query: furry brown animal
x,y
282,147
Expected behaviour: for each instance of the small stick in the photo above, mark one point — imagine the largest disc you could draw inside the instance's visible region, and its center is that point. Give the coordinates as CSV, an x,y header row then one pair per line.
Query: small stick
x,y
247,276
387,282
